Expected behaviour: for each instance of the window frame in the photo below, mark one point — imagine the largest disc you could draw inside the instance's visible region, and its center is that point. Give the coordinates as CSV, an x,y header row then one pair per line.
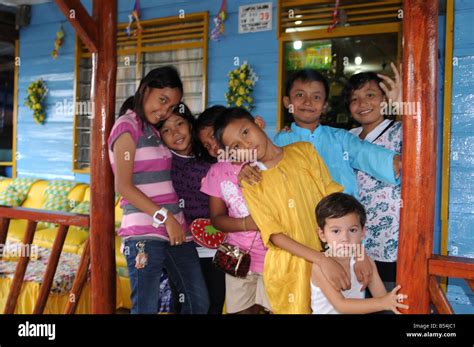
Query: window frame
x,y
138,52
321,34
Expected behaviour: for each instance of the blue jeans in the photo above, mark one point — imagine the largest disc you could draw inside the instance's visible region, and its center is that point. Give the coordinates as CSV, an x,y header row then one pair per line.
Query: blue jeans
x,y
183,267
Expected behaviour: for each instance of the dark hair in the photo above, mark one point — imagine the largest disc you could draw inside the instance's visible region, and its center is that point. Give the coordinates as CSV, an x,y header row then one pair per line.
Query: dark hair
x,y
128,104
161,77
183,111
229,115
206,119
338,205
356,82
306,75
209,116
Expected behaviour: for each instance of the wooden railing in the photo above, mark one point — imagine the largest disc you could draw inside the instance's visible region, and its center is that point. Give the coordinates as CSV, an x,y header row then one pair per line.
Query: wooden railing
x,y
33,216
452,267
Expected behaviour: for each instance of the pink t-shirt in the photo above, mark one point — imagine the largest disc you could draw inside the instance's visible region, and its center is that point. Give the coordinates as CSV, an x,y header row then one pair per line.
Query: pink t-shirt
x,y
221,182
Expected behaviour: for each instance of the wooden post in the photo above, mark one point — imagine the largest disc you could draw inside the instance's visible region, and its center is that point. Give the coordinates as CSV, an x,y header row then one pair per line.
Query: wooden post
x,y
102,232
99,34
420,52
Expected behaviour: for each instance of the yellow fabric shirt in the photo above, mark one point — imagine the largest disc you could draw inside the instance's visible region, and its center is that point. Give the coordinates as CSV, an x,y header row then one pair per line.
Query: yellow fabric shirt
x,y
284,201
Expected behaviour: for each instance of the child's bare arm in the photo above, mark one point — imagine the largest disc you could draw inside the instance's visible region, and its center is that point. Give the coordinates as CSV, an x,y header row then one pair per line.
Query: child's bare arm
x,y
364,269
220,219
332,270
397,165
390,301
376,286
124,154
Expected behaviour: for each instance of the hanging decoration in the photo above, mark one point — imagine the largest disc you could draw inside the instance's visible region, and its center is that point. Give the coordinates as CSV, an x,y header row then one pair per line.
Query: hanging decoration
x,y
334,17
34,101
58,42
134,17
241,83
219,19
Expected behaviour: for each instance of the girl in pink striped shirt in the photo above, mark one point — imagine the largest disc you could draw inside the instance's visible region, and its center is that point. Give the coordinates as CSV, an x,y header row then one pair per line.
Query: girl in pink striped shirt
x,y
153,229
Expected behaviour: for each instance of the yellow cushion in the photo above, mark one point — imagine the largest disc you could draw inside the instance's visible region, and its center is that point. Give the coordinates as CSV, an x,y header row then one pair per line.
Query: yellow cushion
x,y
4,184
74,240
45,237
77,193
35,198
87,194
119,257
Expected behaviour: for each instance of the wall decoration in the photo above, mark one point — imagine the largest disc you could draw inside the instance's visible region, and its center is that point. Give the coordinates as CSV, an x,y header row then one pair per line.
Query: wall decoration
x,y
134,17
58,42
34,101
219,19
241,83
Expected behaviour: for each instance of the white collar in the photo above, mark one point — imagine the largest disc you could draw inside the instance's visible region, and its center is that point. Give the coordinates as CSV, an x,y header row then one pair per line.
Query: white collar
x,y
374,133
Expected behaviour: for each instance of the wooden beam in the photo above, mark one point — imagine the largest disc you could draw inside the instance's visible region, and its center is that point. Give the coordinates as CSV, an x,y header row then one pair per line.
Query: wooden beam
x,y
102,231
438,298
420,67
48,277
453,267
79,280
79,220
15,287
81,21
4,225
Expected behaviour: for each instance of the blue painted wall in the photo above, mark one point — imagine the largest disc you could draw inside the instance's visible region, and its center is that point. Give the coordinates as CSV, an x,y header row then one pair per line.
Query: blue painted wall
x,y
461,197
46,151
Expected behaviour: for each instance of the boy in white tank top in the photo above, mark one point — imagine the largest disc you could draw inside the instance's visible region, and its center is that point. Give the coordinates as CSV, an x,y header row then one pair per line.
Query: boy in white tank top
x,y
341,220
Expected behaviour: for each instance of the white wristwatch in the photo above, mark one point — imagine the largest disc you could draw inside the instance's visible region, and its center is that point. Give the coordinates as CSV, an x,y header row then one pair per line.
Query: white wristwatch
x,y
157,222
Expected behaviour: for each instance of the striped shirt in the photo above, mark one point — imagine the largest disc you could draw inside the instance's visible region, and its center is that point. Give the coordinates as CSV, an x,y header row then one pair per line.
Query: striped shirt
x,y
151,175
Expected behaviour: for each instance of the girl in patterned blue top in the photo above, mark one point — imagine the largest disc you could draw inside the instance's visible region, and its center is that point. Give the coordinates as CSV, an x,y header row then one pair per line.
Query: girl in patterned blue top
x,y
367,98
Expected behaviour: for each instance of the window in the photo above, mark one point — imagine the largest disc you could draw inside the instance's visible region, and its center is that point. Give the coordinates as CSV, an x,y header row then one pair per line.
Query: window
x,y
367,38
163,41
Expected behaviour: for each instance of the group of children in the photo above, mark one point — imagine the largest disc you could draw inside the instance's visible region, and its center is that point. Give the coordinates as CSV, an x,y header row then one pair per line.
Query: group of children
x,y
285,206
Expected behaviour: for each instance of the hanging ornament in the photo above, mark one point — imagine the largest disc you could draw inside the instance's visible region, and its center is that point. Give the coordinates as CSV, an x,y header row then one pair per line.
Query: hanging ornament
x,y
58,42
134,17
219,19
334,17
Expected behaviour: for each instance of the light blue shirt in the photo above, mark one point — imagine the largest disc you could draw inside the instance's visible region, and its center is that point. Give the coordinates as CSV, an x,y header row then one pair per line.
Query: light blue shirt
x,y
343,152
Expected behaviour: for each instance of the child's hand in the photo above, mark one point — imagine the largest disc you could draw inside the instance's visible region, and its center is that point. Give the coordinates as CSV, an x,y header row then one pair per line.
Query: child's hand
x,y
393,94
363,270
250,174
392,300
335,274
174,230
397,165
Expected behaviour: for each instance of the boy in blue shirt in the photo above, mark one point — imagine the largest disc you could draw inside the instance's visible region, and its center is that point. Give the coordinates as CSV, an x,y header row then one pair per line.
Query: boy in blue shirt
x,y
305,98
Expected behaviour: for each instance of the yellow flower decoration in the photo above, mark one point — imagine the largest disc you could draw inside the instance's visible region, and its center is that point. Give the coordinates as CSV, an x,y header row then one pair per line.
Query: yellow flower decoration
x,y
241,83
34,101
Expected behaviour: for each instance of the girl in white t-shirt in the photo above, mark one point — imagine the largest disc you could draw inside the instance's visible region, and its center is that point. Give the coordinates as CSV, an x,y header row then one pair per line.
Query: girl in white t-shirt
x,y
341,219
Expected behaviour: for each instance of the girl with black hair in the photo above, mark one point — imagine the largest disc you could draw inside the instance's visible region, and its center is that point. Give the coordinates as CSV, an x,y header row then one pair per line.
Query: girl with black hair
x,y
187,171
153,230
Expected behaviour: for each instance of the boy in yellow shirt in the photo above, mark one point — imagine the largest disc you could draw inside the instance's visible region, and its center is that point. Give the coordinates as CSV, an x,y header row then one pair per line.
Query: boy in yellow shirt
x,y
282,205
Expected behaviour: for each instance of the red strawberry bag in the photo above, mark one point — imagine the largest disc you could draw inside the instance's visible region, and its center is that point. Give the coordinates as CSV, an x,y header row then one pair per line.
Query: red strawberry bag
x,y
204,234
